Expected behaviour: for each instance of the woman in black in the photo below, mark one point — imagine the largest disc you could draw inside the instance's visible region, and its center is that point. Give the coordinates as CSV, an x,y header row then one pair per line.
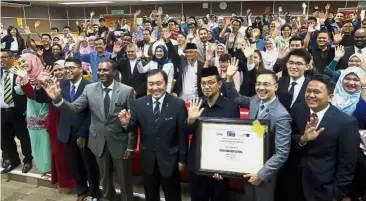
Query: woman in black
x,y
14,41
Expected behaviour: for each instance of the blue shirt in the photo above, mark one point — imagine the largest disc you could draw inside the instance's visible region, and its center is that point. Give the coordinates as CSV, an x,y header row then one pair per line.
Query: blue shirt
x,y
94,60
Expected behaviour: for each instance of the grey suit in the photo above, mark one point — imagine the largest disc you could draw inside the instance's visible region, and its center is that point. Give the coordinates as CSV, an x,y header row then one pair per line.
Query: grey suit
x,y
107,138
280,125
200,50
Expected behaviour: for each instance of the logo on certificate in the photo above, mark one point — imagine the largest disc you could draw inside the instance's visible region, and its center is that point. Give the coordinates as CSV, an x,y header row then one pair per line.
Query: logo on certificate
x,y
230,134
219,133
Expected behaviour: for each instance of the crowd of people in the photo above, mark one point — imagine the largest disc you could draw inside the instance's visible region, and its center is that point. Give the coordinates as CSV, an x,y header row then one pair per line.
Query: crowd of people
x,y
78,103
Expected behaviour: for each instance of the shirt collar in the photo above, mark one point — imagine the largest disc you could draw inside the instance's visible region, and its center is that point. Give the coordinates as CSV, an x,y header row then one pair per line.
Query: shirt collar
x,y
321,113
77,83
266,104
193,65
219,102
109,87
298,81
161,99
363,49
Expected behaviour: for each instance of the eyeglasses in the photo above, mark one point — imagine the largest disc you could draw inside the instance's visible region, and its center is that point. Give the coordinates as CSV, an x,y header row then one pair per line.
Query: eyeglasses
x,y
295,63
209,83
70,68
265,84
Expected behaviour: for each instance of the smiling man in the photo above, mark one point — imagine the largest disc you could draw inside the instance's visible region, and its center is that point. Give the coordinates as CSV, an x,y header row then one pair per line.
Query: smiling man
x,y
329,143
265,105
163,146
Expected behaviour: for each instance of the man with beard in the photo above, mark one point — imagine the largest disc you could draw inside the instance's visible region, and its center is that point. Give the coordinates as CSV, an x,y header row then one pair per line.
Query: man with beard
x,y
205,188
359,45
112,145
94,58
163,149
265,105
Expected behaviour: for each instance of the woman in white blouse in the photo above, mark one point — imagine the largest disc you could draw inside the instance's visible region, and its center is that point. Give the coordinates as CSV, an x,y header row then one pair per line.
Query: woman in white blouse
x,y
160,61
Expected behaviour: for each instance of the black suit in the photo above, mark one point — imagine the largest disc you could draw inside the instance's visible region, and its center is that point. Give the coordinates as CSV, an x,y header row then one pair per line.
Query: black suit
x,y
285,97
13,123
83,165
162,145
348,51
135,80
327,163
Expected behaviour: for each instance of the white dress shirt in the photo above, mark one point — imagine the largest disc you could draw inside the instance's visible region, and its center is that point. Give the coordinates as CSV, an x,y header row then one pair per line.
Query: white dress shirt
x,y
14,46
76,85
2,88
133,64
189,89
161,101
363,50
168,68
297,88
320,114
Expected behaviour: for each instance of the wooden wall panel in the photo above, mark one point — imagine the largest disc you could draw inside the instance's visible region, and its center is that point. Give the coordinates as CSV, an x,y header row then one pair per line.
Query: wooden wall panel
x,y
98,11
195,9
334,5
173,9
58,12
36,11
77,13
231,7
11,22
145,9
73,26
43,28
11,12
295,7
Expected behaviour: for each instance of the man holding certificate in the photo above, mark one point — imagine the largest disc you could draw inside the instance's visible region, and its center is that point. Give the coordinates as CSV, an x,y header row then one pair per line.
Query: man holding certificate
x,y
205,188
266,106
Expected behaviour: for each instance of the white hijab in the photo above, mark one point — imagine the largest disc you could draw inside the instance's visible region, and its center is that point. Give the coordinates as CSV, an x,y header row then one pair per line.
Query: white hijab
x,y
270,57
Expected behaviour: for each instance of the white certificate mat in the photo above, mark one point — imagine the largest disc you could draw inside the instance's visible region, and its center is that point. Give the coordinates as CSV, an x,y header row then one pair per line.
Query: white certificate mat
x,y
231,148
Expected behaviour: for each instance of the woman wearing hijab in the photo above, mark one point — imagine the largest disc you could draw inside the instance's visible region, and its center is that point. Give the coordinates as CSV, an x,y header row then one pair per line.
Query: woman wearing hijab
x,y
348,90
219,50
37,113
160,61
60,171
13,41
270,55
355,60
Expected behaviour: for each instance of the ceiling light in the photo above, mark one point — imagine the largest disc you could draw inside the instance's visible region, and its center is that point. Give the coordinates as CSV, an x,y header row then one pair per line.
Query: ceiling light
x,y
85,2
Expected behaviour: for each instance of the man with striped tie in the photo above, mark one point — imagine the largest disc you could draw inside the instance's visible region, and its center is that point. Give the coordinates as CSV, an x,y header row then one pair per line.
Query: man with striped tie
x,y
163,145
13,108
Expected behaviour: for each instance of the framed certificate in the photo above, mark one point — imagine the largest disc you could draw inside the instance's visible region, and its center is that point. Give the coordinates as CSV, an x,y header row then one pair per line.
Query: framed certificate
x,y
231,147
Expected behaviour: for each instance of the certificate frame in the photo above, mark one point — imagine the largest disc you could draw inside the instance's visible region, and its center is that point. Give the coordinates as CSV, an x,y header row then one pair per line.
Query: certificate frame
x,y
200,135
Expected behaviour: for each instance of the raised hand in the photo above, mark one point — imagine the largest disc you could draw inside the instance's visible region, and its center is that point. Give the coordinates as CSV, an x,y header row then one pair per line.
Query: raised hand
x,y
27,30
247,49
339,52
194,110
311,133
92,14
190,35
137,13
303,5
53,89
311,29
209,54
21,72
160,11
337,37
36,24
327,7
139,53
249,13
45,75
124,117
280,9
81,38
166,34
232,67
322,18
77,23
40,52
117,47
282,52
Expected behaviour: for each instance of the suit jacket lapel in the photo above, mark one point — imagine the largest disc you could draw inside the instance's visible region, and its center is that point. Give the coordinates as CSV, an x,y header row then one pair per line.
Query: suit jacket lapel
x,y
325,120
80,89
254,106
164,108
149,107
99,93
301,95
66,91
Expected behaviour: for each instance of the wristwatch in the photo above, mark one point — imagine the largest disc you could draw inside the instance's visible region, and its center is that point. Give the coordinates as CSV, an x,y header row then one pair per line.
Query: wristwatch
x,y
363,87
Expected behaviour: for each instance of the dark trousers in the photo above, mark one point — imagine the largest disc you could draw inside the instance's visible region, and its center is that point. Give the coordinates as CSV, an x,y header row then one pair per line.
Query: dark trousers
x,y
205,188
171,185
14,125
84,169
359,182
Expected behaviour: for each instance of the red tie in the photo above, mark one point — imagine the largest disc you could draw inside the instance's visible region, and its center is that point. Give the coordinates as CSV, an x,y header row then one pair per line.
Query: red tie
x,y
314,115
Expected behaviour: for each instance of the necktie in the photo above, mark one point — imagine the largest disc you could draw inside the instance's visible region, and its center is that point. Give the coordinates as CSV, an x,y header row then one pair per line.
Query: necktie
x,y
8,96
292,88
359,51
314,115
107,101
260,111
204,51
72,93
156,111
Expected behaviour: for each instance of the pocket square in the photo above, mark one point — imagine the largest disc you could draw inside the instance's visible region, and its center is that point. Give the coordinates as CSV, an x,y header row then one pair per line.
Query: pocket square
x,y
168,118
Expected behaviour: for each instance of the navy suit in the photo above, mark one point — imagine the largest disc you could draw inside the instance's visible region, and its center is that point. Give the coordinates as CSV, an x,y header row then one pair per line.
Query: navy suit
x,y
83,165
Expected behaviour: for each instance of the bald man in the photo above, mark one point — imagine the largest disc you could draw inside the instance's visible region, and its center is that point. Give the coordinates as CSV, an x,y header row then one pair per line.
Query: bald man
x,y
359,45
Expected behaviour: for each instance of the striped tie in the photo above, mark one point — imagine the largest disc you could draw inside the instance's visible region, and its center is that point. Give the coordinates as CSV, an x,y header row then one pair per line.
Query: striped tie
x,y
156,111
8,96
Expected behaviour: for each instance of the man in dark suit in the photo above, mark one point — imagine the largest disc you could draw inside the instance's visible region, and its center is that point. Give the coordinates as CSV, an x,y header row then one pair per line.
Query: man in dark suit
x,y
291,89
359,46
188,82
109,142
128,68
163,146
13,109
329,143
73,131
